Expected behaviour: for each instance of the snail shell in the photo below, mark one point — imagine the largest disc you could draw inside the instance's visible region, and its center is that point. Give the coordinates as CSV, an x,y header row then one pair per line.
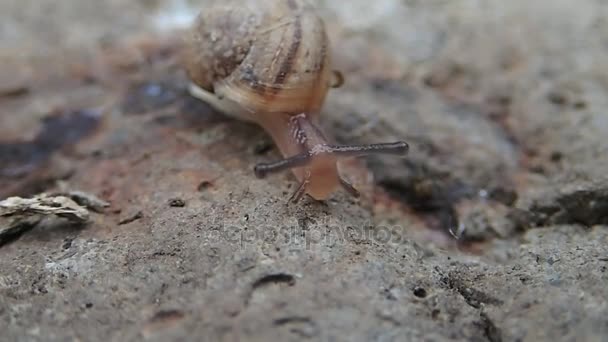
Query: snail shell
x,y
264,56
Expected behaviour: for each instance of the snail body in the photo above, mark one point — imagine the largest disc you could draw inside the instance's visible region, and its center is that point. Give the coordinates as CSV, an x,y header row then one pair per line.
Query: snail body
x,y
268,62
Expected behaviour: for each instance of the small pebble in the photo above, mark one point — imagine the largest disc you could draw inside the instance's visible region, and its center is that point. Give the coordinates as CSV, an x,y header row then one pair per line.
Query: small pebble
x,y
177,203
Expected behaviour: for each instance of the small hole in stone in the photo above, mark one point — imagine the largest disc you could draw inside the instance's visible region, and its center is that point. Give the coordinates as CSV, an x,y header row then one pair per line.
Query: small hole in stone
x,y
435,313
556,156
419,292
204,185
557,98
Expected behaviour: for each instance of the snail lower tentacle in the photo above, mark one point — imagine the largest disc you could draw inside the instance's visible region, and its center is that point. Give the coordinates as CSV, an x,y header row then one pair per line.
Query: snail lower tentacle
x,y
262,169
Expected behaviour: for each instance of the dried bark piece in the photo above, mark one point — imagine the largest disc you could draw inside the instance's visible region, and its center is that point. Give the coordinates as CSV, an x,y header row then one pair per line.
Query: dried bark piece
x,y
18,215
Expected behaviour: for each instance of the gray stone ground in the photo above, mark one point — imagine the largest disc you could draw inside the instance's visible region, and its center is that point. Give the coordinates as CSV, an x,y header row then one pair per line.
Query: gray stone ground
x,y
503,103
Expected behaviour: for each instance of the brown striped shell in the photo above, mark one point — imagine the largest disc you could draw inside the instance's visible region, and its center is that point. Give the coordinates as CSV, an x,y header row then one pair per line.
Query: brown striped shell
x,y
261,56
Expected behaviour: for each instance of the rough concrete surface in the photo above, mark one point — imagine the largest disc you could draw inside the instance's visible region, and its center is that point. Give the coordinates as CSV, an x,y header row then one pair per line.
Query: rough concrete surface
x,y
493,229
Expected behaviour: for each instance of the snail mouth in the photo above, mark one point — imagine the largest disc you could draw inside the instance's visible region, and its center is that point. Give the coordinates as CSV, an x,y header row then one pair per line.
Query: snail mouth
x,y
399,148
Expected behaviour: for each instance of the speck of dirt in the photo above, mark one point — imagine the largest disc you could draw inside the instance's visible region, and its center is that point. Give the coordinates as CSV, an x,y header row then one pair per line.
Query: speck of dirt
x,y
177,203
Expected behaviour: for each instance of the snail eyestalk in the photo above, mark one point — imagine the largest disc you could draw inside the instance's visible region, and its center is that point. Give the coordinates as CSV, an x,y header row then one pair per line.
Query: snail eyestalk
x,y
399,148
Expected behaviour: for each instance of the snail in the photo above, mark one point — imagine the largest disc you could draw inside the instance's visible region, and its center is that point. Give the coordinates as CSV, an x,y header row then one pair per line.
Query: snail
x,y
268,62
